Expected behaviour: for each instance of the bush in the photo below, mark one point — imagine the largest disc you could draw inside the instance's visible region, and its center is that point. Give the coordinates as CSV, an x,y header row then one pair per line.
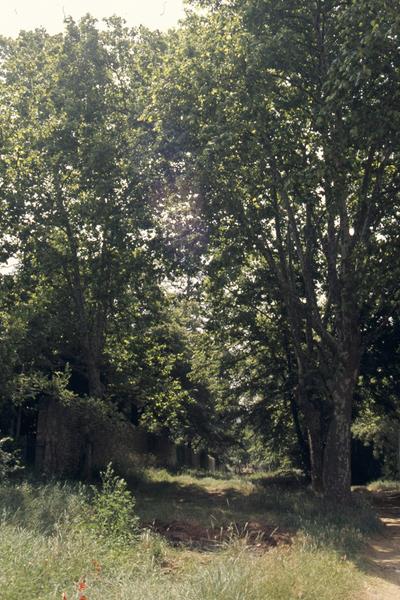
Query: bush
x,y
9,459
113,514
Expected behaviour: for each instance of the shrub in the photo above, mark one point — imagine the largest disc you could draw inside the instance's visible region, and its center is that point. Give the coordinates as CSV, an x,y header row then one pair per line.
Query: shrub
x,y
113,514
9,459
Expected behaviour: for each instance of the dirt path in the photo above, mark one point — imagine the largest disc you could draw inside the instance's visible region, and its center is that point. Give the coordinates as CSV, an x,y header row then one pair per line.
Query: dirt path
x,y
383,554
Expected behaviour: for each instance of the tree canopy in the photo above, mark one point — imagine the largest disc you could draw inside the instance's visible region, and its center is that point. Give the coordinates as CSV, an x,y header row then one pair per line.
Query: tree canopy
x,y
204,224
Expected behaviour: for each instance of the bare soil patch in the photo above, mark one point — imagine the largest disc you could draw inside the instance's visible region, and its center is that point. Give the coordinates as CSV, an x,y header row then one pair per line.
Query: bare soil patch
x,y
192,535
383,552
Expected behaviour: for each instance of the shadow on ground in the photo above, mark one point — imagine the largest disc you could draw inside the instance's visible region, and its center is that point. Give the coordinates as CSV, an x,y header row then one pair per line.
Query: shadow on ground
x,y
262,511
209,516
382,555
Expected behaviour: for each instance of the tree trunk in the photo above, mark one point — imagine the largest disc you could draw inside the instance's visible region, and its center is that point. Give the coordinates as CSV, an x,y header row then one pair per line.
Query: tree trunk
x,y
337,451
315,441
96,388
328,422
91,341
313,419
295,398
87,459
301,440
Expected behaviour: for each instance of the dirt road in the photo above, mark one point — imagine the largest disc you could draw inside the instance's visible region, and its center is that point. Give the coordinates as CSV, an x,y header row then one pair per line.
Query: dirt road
x,y
383,553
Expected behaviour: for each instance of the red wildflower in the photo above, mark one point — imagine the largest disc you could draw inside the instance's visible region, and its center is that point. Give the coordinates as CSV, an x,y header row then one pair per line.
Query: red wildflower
x,y
82,586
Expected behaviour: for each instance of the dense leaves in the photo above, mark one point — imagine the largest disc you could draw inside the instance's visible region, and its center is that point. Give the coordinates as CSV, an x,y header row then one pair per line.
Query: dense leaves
x,y
201,228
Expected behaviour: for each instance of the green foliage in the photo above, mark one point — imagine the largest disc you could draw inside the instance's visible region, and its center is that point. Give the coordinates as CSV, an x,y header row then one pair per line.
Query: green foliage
x,y
266,108
79,167
204,225
377,421
9,459
27,386
113,515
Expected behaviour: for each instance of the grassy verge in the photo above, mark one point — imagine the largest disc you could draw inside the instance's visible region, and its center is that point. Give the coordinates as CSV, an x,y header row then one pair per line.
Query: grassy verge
x,y
46,547
383,485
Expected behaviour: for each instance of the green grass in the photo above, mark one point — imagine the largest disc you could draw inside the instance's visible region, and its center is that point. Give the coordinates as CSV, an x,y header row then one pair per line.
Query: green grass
x,y
46,546
384,485
35,566
264,498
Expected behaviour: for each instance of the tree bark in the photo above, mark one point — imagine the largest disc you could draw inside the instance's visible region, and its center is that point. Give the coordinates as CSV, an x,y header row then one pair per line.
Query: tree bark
x,y
327,411
316,445
96,388
301,440
337,451
310,405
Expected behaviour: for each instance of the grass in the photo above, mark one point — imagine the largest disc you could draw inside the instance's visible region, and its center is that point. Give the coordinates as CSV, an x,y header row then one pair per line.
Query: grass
x,y
384,485
33,566
46,546
266,498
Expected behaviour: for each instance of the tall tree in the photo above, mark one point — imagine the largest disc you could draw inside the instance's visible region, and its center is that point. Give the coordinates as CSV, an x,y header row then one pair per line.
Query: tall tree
x,y
284,116
78,171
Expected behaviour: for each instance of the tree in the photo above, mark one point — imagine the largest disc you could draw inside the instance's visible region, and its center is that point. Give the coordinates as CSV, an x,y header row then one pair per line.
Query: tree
x,y
78,172
266,108
248,358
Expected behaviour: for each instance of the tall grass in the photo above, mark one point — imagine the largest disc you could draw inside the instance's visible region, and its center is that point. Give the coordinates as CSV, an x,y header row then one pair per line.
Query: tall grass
x,y
384,485
46,549
40,567
267,498
41,507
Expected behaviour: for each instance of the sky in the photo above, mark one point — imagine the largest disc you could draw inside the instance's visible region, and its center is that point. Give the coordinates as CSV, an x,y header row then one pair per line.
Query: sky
x,y
29,14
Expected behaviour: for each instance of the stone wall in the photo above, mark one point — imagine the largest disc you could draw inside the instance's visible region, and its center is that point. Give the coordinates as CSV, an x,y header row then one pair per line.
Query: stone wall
x,y
79,440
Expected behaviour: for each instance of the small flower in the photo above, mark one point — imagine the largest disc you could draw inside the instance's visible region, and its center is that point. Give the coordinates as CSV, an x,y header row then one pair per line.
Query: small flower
x,y
82,586
64,596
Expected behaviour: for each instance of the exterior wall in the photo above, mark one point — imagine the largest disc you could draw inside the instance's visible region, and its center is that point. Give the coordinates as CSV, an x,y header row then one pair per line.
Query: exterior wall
x,y
79,440
59,445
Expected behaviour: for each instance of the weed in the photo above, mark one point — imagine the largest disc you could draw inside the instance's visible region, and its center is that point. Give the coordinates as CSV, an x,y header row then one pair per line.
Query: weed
x,y
113,514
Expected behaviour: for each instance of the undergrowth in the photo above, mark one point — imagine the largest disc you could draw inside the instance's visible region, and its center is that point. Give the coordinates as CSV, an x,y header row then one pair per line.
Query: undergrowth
x,y
48,545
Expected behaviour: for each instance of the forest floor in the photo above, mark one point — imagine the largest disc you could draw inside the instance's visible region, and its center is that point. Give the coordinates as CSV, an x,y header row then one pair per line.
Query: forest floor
x,y
383,552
